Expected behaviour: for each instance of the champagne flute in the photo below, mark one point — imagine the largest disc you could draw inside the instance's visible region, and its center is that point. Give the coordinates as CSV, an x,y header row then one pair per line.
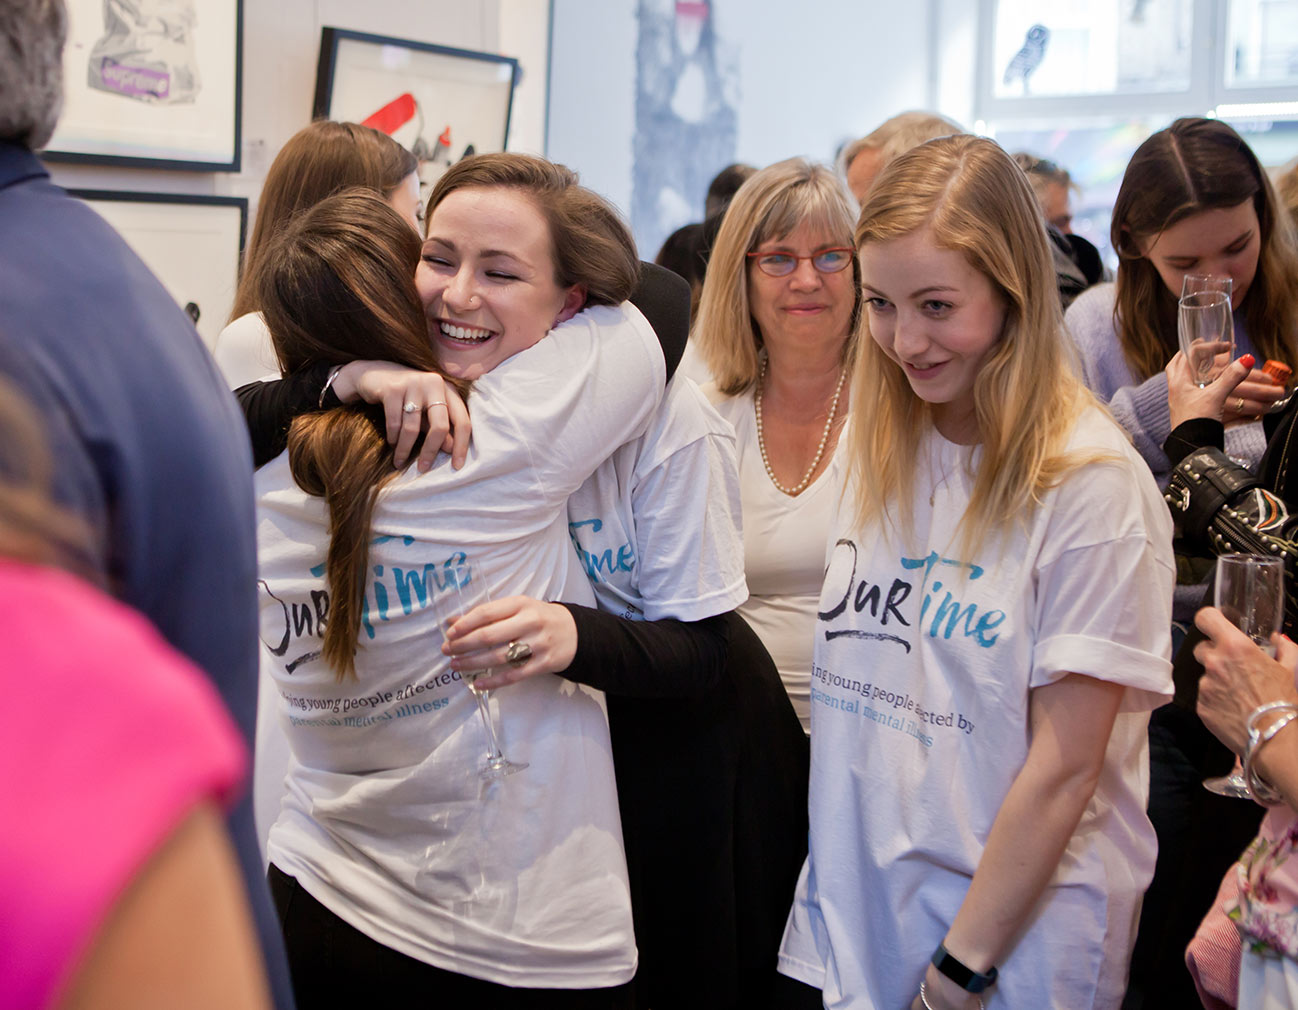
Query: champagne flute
x,y
1192,284
1249,591
465,587
1206,331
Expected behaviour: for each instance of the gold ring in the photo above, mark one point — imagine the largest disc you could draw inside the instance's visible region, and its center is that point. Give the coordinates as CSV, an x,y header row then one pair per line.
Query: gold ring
x,y
1239,405
517,653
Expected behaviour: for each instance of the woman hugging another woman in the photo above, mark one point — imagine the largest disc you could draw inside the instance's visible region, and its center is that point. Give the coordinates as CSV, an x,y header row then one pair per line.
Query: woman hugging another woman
x,y
394,867
710,760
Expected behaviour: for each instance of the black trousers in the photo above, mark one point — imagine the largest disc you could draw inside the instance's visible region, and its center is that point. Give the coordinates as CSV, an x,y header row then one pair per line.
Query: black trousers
x,y
336,965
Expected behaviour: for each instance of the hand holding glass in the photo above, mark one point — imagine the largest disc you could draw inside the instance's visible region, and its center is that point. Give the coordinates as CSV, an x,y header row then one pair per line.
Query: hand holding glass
x,y
1206,331
1249,591
466,588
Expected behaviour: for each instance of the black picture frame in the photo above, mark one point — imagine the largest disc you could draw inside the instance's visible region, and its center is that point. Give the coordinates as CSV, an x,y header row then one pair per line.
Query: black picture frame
x,y
195,250
471,92
82,138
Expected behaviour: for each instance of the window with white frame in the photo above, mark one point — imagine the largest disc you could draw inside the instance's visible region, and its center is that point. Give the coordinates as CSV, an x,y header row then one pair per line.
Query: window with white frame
x,y
1083,83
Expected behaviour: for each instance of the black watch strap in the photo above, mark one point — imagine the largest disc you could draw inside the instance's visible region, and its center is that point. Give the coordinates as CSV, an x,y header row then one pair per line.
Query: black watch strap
x,y
960,973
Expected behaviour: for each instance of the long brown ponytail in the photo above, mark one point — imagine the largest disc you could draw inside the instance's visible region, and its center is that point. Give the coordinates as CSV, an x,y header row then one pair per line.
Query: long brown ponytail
x,y
338,286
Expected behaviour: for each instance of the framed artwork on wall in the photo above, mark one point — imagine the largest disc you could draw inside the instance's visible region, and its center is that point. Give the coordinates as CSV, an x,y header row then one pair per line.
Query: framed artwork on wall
x,y
152,84
193,245
440,103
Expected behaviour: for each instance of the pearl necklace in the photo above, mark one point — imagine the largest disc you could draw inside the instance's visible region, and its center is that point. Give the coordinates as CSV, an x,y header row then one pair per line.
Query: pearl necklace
x,y
820,449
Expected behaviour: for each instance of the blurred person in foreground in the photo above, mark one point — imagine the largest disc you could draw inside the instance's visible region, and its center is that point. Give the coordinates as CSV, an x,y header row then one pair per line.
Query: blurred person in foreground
x,y
151,914
149,443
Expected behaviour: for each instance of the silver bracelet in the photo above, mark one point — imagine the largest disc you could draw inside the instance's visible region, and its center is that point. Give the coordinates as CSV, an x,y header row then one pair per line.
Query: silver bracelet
x,y
923,998
1263,792
333,374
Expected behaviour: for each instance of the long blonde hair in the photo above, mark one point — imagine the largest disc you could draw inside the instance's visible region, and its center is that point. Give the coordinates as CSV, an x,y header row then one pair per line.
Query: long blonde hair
x,y
771,204
975,201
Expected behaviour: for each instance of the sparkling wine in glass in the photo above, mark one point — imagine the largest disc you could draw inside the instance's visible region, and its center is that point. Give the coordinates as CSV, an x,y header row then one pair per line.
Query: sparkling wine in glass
x,y
465,587
1249,591
1207,333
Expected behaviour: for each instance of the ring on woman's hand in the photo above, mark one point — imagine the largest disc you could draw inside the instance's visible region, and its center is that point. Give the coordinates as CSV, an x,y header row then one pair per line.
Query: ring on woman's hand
x,y
1239,405
517,653
410,407
437,403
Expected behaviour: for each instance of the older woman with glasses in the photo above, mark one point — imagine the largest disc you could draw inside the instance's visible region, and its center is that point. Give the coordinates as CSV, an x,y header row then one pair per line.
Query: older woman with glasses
x,y
775,321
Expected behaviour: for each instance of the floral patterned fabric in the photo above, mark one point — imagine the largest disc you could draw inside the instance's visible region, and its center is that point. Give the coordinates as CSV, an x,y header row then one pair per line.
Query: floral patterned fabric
x,y
1266,908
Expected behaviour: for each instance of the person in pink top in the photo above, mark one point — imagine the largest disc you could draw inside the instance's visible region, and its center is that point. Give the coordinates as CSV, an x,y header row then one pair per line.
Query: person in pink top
x,y
118,883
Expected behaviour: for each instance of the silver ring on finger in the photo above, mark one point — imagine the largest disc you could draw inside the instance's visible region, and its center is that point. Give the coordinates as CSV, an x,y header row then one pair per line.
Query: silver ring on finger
x,y
517,653
410,407
436,403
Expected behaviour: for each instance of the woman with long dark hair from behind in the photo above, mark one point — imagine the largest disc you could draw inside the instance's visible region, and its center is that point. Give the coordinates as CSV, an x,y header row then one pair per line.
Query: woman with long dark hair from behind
x,y
392,865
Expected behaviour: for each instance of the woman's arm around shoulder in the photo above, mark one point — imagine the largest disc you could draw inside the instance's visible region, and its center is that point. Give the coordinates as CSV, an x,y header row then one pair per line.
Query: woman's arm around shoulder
x,y
269,408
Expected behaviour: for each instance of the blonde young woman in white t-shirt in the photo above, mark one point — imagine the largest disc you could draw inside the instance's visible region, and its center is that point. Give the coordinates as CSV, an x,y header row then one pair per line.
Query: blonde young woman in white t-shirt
x,y
992,630
395,869
775,325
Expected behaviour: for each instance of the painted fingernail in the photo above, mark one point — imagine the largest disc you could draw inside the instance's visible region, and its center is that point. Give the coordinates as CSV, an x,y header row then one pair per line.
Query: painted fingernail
x,y
1247,360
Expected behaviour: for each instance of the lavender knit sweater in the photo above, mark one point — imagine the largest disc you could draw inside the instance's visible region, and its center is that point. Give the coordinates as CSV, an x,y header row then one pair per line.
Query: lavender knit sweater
x,y
1141,408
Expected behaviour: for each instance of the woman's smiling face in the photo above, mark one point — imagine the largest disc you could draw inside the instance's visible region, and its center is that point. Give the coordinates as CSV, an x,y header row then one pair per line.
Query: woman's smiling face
x,y
937,316
487,279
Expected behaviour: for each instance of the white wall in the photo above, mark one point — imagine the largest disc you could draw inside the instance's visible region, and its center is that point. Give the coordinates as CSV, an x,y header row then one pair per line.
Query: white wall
x,y
810,76
816,74
281,44
592,93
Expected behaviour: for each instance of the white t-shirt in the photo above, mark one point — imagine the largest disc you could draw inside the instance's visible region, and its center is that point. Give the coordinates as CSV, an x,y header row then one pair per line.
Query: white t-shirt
x,y
386,821
693,365
784,550
657,526
244,352
924,667
657,532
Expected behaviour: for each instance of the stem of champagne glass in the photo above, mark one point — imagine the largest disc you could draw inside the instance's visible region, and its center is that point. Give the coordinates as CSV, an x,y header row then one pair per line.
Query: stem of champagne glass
x,y
494,754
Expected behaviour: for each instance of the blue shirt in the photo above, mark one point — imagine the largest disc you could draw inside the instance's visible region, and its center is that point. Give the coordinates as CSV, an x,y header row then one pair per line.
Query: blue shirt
x,y
149,447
